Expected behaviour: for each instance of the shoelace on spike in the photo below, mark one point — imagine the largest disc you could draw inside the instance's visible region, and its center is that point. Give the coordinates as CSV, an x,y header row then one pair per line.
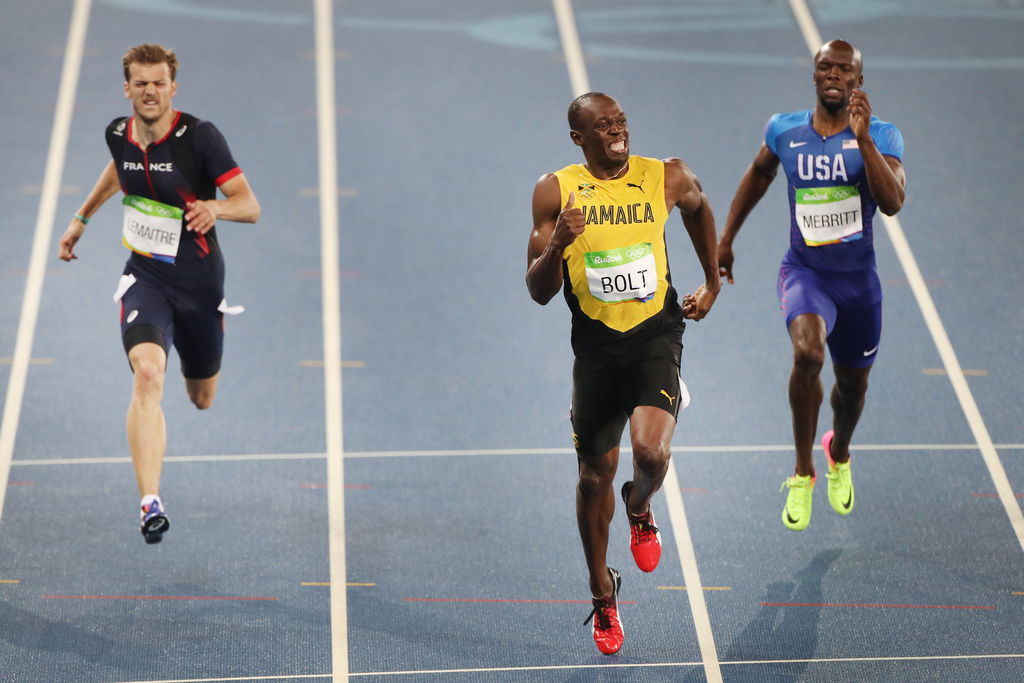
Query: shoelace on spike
x,y
793,482
603,620
839,472
642,525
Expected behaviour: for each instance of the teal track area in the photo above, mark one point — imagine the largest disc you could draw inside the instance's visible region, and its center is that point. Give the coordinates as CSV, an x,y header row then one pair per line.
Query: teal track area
x,y
384,488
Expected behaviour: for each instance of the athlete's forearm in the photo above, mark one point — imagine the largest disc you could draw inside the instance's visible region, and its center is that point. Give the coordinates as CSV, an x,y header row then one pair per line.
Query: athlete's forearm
x,y
700,225
238,209
544,275
751,189
239,204
886,185
107,185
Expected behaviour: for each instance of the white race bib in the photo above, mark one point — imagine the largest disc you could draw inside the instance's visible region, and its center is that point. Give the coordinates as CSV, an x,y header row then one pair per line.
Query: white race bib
x,y
829,215
623,274
151,228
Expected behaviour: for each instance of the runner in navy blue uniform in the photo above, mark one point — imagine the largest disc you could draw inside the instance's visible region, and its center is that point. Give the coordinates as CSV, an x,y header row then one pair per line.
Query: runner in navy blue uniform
x,y
842,164
169,165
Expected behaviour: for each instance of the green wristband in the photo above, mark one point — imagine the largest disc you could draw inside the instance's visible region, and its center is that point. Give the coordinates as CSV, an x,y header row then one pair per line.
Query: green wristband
x,y
85,221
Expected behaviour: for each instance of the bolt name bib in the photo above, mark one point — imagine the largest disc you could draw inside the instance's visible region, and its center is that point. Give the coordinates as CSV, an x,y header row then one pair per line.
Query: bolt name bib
x,y
829,215
151,228
623,274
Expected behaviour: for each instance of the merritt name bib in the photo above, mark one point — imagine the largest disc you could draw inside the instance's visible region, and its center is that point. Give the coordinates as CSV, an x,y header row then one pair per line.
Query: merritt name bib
x,y
829,215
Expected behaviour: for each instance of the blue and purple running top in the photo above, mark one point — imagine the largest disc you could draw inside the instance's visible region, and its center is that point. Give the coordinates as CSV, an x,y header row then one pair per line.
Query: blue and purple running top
x,y
829,269
831,208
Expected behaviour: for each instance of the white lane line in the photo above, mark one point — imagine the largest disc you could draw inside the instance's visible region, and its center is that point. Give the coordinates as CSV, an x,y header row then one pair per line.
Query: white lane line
x,y
571,47
808,28
691,576
678,665
594,667
328,167
681,531
41,242
937,330
956,377
491,452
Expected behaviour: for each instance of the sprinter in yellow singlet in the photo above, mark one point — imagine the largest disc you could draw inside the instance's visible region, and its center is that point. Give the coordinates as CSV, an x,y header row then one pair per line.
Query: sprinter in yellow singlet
x,y
599,235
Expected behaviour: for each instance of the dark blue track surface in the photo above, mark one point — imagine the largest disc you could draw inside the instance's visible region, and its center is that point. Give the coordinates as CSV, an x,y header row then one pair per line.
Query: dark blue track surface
x,y
461,549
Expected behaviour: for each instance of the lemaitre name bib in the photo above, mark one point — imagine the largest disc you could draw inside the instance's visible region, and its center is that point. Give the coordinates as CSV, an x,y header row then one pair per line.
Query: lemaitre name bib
x,y
618,267
151,228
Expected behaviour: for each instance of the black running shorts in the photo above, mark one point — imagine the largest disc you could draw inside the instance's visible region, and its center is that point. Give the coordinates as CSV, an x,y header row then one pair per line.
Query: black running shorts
x,y
605,391
157,312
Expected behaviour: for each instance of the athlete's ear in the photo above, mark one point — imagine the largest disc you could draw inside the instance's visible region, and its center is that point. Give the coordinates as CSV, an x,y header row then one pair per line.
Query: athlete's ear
x,y
576,137
127,95
174,88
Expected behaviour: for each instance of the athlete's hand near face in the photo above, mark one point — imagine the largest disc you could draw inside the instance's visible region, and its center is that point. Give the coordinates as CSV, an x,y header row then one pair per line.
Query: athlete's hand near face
x,y
860,113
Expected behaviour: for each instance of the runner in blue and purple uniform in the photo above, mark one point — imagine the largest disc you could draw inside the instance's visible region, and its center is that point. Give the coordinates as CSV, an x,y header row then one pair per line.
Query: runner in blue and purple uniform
x,y
169,165
842,164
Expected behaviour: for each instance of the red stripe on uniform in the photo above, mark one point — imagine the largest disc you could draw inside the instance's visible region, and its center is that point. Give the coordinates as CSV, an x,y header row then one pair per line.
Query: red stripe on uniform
x,y
228,176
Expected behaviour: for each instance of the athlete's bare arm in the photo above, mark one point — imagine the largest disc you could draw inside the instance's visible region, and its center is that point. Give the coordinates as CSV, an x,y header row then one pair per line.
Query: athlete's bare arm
x,y
683,190
239,205
753,185
106,187
554,228
886,178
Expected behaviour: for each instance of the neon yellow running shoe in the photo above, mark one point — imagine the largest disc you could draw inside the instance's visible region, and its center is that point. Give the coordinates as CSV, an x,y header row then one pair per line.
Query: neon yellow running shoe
x,y
840,481
797,513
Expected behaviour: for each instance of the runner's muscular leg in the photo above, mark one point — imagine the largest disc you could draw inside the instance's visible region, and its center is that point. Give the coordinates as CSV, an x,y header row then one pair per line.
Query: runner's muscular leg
x,y
650,432
847,404
147,432
807,331
595,505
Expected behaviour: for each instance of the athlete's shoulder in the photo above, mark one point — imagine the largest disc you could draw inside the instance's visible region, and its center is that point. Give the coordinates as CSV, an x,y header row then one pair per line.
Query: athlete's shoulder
x,y
650,164
780,123
209,142
670,166
118,126
569,174
887,137
115,135
203,130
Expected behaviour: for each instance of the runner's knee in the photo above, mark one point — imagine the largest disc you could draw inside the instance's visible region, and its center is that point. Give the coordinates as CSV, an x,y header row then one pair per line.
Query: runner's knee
x,y
808,357
596,474
149,376
201,392
201,399
651,458
851,383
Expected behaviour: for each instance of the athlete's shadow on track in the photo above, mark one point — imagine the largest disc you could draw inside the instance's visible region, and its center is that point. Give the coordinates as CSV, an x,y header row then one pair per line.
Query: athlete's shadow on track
x,y
36,633
786,627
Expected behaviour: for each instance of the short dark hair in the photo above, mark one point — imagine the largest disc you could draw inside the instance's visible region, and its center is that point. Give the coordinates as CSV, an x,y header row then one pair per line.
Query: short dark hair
x,y
150,53
578,104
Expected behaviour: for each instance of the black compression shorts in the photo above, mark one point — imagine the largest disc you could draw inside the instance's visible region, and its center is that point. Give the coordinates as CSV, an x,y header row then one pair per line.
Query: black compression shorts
x,y
607,389
188,318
